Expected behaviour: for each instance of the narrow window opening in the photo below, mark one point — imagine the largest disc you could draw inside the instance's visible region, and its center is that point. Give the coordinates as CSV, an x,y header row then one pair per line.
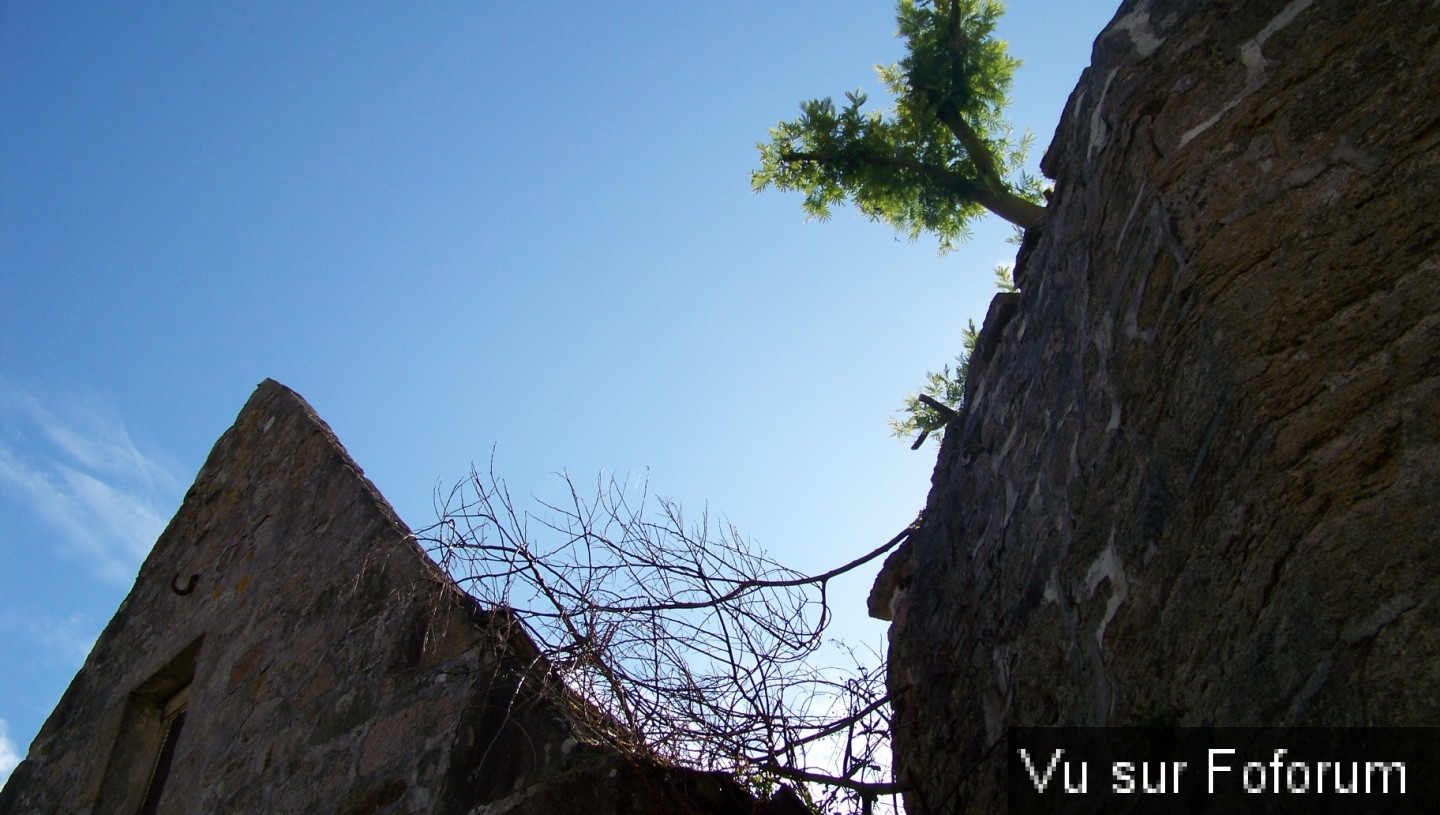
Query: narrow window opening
x,y
145,755
172,720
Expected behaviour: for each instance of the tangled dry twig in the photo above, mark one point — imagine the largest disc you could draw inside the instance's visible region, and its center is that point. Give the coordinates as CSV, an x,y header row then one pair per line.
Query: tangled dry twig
x,y
688,641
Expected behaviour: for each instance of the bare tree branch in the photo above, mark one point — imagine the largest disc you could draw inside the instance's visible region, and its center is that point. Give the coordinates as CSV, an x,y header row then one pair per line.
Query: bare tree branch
x,y
675,640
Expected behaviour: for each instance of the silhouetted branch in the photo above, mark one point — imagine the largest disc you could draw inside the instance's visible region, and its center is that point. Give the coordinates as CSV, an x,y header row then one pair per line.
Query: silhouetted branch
x,y
684,640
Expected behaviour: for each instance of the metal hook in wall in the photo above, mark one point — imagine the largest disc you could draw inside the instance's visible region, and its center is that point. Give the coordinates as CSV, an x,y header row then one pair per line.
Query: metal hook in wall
x,y
189,586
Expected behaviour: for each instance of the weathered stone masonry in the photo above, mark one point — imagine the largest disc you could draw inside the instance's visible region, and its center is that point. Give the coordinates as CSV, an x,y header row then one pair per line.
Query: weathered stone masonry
x,y
323,664
1199,476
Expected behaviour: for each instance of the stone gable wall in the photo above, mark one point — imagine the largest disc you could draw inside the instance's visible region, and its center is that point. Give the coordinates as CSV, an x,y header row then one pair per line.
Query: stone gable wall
x,y
332,668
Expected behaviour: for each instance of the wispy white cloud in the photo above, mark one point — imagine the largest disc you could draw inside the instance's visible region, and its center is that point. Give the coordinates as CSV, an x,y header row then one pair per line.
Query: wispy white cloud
x,y
98,442
9,752
78,470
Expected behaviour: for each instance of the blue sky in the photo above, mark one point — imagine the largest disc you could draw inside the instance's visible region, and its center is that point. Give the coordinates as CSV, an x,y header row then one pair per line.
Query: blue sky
x,y
453,227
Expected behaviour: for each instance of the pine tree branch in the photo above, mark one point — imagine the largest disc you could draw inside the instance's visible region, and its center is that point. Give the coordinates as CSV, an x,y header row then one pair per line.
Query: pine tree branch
x,y
920,439
963,187
992,191
943,409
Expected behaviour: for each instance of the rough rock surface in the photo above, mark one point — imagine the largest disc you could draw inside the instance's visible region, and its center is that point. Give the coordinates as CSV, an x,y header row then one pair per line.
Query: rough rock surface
x,y
1198,480
331,667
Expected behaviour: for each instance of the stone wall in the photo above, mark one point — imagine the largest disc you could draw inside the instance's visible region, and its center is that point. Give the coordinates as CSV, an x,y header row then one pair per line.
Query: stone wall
x,y
326,666
1198,480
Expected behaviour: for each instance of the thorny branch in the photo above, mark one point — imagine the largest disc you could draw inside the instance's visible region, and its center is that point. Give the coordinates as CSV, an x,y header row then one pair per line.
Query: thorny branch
x,y
685,641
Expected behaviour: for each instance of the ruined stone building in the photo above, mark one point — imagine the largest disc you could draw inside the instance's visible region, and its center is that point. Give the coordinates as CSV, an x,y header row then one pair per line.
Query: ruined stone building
x,y
1195,480
289,648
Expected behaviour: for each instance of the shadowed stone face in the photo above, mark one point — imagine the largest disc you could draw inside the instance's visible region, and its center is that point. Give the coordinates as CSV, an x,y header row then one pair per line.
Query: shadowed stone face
x,y
1199,469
